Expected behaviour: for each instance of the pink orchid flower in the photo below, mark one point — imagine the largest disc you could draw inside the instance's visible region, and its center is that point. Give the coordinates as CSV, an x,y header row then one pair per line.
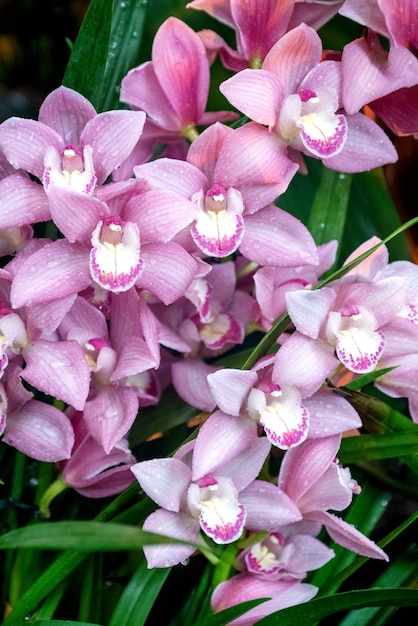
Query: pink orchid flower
x,y
286,415
214,490
300,101
36,428
92,472
173,88
310,475
116,245
287,553
230,178
243,587
258,24
113,358
29,334
387,82
70,145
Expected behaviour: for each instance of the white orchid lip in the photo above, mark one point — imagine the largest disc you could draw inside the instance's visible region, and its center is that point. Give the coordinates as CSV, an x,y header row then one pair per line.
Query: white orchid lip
x,y
281,413
115,262
268,556
323,131
219,226
215,500
358,343
71,169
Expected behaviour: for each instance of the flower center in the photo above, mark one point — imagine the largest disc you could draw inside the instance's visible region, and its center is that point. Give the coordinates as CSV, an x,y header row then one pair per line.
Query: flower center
x,y
115,262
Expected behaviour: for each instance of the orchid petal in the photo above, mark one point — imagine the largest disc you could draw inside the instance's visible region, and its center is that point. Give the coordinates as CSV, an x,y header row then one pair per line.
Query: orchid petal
x,y
243,468
189,378
348,536
220,384
56,270
174,525
293,56
57,112
204,151
75,214
304,363
112,135
222,517
304,465
58,369
219,226
22,201
308,310
140,88
240,90
34,138
274,237
168,270
244,587
267,507
260,24
210,452
40,431
164,480
173,175
252,160
367,146
284,418
160,214
110,414
330,414
374,72
182,69
359,349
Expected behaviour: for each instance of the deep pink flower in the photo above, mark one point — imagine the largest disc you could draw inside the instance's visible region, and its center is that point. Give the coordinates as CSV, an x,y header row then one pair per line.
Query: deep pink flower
x,y
300,101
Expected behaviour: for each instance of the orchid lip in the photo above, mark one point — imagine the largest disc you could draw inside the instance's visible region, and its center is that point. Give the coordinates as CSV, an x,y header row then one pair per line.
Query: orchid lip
x,y
115,262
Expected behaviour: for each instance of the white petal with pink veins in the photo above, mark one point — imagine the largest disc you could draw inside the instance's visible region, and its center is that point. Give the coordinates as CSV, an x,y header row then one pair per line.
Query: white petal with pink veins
x,y
115,262
359,349
70,168
359,344
323,131
221,516
219,226
283,416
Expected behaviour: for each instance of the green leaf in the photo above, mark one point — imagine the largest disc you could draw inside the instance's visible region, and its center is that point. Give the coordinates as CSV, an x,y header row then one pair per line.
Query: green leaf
x,y
396,573
379,417
83,536
123,54
329,208
139,596
86,67
358,383
52,622
311,612
384,446
224,617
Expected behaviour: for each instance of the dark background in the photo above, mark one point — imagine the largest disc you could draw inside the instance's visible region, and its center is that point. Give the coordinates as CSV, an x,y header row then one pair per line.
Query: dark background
x,y
34,50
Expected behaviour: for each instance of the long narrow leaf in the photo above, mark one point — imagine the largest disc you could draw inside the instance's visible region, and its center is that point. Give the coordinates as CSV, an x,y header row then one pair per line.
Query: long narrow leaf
x,y
123,54
372,447
84,536
139,596
318,608
329,208
86,67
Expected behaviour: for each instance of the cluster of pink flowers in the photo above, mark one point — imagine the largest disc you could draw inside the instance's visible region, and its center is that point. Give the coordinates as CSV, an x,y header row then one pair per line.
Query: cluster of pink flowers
x,y
149,268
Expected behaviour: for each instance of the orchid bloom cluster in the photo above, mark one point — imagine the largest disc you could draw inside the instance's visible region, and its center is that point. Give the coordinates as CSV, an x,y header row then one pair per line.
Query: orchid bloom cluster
x,y
150,268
